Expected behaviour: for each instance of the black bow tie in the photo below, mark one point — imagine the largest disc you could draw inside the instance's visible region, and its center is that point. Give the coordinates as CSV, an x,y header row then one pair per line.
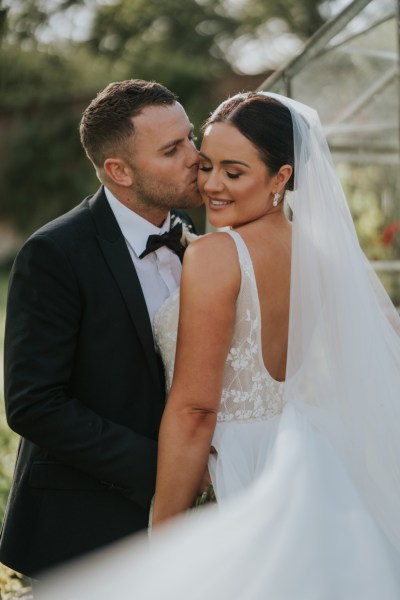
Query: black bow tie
x,y
171,239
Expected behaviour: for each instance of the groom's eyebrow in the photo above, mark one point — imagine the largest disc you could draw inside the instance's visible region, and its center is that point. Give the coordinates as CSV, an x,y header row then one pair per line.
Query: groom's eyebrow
x,y
178,140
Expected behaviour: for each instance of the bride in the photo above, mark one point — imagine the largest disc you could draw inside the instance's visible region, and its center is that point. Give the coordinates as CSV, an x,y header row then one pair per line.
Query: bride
x,y
287,367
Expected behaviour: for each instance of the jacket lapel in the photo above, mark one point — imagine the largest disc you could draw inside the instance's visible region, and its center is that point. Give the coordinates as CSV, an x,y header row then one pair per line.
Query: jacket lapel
x,y
116,254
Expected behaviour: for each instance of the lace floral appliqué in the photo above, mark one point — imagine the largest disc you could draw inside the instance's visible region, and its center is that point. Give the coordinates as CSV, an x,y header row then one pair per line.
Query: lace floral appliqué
x,y
249,392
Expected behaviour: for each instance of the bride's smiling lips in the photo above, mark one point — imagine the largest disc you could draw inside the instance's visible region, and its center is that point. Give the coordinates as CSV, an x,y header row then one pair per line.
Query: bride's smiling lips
x,y
218,203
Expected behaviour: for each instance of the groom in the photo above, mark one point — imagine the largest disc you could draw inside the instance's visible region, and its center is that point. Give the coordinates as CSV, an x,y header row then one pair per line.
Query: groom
x,y
83,381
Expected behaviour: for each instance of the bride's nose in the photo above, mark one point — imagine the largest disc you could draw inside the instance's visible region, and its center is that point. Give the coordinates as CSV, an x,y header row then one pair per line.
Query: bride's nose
x,y
213,183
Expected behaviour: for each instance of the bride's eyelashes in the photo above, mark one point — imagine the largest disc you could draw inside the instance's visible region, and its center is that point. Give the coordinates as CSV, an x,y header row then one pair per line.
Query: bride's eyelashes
x,y
228,174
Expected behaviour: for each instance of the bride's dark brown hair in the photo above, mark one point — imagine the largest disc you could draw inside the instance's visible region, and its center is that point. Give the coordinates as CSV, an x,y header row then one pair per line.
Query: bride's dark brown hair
x,y
266,122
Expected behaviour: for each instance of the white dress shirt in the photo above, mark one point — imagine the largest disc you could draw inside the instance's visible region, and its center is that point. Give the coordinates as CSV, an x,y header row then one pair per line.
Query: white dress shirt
x,y
159,272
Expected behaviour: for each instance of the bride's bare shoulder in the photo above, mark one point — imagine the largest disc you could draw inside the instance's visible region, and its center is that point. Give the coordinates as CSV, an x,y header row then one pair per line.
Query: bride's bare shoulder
x,y
213,256
211,243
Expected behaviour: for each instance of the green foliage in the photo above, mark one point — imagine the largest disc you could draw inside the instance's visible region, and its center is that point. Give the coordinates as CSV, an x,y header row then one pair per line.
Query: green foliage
x,y
183,44
364,187
130,27
43,168
59,77
27,18
29,78
51,173
173,42
12,584
302,16
8,439
45,87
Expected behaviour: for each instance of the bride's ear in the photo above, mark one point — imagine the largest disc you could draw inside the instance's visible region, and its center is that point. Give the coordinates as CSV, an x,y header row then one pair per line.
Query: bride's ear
x,y
118,171
283,175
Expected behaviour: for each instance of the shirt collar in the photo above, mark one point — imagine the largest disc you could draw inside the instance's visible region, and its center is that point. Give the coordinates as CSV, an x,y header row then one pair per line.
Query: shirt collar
x,y
135,228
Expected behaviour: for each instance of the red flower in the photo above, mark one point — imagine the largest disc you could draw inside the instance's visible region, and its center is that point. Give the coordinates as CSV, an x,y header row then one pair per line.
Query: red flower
x,y
389,232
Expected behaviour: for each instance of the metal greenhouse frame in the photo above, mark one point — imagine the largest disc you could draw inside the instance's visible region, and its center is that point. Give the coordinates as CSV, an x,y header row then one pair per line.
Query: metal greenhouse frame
x,y
349,71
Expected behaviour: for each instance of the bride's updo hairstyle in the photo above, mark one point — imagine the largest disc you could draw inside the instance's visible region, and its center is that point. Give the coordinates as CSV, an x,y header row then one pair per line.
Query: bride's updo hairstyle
x,y
266,122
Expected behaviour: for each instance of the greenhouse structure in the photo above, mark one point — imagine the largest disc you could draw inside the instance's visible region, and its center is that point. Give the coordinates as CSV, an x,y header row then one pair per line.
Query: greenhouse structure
x,y
349,72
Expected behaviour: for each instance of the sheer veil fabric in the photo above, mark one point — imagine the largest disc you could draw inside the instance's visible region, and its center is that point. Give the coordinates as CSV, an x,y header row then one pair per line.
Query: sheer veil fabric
x,y
342,393
344,345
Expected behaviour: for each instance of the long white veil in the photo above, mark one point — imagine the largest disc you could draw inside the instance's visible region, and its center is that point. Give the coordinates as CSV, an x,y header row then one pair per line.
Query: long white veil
x,y
343,372
344,345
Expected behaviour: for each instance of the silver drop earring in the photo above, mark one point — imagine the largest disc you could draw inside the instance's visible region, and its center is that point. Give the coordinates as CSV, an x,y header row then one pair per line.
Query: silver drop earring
x,y
276,199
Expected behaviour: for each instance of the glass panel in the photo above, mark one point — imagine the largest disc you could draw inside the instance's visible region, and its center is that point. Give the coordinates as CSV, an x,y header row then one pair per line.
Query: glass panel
x,y
375,11
354,85
338,77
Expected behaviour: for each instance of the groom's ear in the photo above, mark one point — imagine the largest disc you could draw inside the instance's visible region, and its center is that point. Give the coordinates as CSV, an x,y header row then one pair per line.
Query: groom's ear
x,y
118,171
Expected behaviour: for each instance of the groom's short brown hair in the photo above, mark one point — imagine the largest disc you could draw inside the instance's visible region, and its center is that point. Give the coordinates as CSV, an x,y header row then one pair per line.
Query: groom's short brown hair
x,y
107,125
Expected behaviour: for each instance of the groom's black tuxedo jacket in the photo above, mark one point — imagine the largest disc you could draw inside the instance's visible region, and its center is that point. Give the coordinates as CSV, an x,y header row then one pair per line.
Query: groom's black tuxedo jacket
x,y
84,389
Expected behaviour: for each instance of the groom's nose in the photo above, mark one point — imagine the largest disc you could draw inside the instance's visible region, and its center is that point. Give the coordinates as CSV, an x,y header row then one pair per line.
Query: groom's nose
x,y
192,158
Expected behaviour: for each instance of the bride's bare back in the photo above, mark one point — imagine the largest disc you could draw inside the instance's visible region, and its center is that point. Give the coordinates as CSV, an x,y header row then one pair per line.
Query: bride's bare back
x,y
269,245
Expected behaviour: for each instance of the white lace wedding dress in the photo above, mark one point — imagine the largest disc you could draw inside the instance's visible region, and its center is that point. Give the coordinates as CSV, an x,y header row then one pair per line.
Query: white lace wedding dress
x,y
304,532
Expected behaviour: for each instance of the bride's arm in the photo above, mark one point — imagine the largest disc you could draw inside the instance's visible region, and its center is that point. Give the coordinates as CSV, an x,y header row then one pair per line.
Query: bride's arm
x,y
209,288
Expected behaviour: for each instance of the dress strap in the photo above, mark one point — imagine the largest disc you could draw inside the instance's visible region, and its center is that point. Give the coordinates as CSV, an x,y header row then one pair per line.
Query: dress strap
x,y
248,287
242,250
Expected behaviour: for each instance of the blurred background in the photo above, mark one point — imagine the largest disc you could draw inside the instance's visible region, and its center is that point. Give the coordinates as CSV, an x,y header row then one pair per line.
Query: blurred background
x,y
340,56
